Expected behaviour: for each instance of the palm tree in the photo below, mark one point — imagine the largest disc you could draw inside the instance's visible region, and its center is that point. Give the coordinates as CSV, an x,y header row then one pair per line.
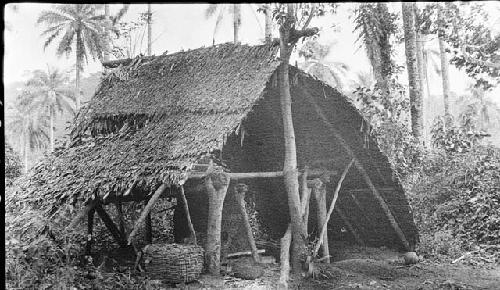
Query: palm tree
x,y
444,68
430,61
51,93
333,73
27,127
79,24
222,9
235,10
110,26
149,29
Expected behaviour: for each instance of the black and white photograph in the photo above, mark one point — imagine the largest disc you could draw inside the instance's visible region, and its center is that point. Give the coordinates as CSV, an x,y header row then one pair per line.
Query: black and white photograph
x,y
344,145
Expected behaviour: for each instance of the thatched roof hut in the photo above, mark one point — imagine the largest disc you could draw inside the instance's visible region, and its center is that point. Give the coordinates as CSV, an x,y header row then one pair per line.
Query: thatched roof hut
x,y
154,120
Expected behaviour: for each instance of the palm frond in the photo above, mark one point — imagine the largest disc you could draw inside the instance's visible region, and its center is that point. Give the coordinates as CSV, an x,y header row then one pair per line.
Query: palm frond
x,y
52,17
212,8
120,14
66,41
219,19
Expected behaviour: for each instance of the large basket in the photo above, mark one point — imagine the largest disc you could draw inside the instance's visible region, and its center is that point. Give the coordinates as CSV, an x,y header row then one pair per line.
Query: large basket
x,y
173,263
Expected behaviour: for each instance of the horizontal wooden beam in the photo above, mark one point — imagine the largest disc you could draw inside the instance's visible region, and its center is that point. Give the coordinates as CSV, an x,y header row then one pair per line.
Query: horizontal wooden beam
x,y
248,175
136,197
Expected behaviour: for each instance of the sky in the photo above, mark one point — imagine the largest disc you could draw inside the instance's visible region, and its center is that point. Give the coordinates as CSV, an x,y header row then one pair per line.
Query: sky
x,y
184,26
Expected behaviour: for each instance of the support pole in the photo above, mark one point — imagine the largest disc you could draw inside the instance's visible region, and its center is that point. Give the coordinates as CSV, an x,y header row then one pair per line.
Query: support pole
x,y
240,191
188,216
360,168
319,192
149,229
285,258
145,212
117,235
332,205
304,198
216,184
90,227
121,221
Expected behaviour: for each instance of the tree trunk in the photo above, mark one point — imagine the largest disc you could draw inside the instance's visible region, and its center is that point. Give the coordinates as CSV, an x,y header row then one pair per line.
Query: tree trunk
x,y
376,48
216,185
319,192
444,74
421,76
149,29
285,258
268,24
51,130
290,159
412,67
107,39
78,65
236,22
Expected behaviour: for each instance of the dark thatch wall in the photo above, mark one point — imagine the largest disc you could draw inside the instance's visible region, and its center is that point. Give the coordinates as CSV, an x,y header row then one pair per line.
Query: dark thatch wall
x,y
260,148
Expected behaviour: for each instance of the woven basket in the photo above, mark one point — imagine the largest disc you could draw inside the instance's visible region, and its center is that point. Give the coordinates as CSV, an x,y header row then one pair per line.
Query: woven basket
x,y
173,263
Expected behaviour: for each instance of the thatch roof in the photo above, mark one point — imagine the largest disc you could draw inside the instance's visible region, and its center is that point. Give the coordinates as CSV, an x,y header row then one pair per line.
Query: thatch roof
x,y
148,122
151,120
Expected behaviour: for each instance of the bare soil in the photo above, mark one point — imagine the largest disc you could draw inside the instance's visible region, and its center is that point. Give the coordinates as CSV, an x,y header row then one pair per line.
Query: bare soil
x,y
364,268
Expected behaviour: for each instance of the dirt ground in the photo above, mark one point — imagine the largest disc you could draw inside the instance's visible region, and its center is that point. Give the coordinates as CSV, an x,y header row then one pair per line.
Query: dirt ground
x,y
364,268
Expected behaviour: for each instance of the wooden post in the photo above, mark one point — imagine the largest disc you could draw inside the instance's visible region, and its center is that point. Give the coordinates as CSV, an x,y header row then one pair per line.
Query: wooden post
x,y
359,167
216,184
117,235
188,216
145,212
349,226
90,227
285,258
121,221
305,197
81,215
332,205
319,192
240,191
148,235
149,229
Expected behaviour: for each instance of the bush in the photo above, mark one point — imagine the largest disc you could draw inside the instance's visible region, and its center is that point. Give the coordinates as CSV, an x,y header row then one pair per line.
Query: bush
x,y
456,200
42,254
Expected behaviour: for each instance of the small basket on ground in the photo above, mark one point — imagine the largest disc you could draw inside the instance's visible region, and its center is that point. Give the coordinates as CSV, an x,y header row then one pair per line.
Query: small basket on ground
x,y
174,263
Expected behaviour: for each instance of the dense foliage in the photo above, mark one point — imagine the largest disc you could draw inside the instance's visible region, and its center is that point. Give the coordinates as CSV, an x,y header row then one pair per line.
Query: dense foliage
x,y
464,27
453,187
13,166
456,200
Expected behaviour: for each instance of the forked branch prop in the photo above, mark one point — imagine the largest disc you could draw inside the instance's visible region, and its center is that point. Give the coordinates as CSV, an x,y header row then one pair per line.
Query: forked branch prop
x,y
332,205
